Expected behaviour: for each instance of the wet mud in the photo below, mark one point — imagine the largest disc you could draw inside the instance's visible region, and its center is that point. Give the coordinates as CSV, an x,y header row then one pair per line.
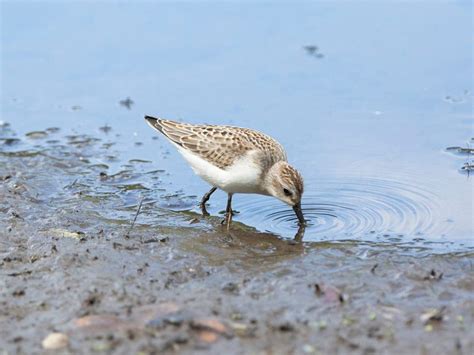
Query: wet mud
x,y
102,251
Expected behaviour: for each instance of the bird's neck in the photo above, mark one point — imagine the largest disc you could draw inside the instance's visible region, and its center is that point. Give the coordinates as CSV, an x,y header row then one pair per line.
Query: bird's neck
x,y
270,177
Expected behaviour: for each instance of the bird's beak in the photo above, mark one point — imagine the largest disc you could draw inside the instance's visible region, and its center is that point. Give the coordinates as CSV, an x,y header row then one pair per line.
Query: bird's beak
x,y
299,214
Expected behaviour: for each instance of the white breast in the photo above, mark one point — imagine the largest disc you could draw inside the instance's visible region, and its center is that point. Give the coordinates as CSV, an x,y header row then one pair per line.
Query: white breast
x,y
242,177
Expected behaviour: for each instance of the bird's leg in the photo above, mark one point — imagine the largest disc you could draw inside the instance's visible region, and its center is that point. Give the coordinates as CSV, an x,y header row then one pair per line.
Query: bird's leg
x,y
228,211
206,198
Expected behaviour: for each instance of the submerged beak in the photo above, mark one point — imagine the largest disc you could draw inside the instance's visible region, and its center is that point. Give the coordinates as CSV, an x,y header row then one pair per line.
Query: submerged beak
x,y
299,214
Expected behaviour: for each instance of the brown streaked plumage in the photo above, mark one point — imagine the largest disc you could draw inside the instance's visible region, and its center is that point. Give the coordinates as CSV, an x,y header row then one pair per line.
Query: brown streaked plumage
x,y
236,160
213,142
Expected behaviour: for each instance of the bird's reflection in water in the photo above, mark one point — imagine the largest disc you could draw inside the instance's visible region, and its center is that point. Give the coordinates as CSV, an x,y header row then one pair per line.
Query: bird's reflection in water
x,y
240,234
300,233
244,246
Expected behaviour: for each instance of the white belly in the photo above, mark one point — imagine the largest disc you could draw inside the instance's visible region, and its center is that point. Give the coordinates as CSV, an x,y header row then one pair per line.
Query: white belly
x,y
242,177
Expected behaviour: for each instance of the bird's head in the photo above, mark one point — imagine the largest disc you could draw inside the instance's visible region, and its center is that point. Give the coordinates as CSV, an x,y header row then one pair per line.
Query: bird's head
x,y
286,184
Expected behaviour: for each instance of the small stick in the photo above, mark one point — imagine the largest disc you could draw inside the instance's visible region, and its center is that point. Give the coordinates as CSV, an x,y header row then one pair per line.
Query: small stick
x,y
135,218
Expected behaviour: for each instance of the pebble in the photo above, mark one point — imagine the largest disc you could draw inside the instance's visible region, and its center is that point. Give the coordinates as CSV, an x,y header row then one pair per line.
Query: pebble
x,y
55,341
309,349
36,134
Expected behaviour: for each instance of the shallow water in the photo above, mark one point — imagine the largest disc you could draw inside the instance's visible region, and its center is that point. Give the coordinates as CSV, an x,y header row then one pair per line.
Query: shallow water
x,y
365,108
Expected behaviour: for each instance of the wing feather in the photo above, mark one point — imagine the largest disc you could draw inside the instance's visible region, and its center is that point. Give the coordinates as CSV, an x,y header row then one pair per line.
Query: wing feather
x,y
219,145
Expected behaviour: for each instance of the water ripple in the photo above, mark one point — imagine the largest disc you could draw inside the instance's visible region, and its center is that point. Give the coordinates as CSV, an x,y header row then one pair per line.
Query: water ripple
x,y
352,207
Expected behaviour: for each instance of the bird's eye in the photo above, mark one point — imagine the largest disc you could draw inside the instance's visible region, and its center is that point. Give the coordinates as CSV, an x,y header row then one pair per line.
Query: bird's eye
x,y
287,192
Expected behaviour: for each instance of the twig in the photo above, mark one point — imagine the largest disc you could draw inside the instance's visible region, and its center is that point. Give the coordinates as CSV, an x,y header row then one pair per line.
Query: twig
x,y
127,235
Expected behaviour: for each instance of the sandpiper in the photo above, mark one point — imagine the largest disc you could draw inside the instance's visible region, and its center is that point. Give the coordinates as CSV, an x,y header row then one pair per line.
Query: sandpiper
x,y
235,160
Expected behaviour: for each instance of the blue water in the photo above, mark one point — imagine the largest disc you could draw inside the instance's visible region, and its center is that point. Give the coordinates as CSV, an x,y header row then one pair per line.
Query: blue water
x,y
366,117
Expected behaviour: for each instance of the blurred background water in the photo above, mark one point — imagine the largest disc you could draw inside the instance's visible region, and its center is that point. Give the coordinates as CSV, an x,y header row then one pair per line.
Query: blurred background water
x,y
365,96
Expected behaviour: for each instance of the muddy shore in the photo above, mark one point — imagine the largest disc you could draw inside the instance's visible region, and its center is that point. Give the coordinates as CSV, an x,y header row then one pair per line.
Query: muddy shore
x,y
71,262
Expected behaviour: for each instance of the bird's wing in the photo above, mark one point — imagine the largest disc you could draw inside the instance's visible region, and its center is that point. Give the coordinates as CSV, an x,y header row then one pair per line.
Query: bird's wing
x,y
219,145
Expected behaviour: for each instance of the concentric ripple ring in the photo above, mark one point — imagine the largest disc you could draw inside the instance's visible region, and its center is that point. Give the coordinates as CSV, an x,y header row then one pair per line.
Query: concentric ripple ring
x,y
345,208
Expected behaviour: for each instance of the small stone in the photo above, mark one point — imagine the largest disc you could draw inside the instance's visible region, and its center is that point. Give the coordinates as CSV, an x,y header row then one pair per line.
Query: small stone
x,y
308,349
207,336
96,322
433,315
212,325
9,141
37,134
238,327
55,341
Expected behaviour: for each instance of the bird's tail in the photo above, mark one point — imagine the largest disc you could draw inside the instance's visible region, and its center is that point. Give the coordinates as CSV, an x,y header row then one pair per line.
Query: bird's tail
x,y
174,131
154,123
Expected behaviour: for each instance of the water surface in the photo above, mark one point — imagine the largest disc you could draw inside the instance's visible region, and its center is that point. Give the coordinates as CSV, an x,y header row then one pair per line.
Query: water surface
x,y
365,107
